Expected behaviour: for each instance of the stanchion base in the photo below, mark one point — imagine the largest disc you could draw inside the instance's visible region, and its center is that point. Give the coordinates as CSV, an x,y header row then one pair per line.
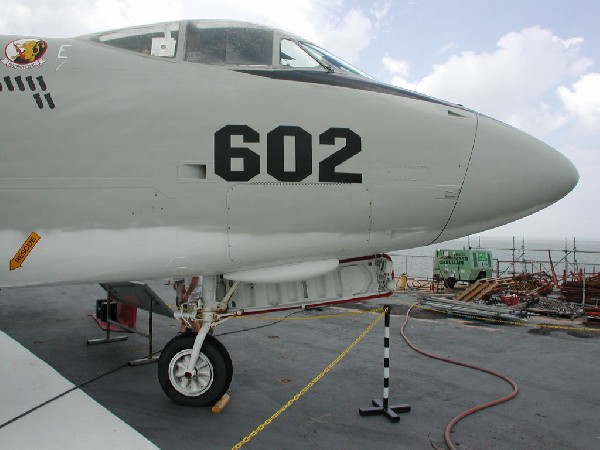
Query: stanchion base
x,y
390,411
146,360
106,340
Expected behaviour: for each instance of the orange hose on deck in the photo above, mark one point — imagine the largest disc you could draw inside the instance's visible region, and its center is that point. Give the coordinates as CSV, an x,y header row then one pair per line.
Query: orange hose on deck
x,y
462,415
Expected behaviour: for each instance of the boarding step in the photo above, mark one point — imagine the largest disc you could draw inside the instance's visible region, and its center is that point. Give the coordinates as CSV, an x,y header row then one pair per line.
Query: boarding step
x,y
138,295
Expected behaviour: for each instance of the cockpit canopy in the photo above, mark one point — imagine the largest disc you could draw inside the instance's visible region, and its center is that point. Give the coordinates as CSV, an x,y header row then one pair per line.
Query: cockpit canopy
x,y
226,43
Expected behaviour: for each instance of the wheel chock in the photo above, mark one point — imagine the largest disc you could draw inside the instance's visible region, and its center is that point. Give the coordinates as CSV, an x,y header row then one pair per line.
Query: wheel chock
x,y
222,403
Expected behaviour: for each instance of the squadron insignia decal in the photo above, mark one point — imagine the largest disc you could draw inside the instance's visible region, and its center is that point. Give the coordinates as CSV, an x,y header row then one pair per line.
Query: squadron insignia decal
x,y
25,53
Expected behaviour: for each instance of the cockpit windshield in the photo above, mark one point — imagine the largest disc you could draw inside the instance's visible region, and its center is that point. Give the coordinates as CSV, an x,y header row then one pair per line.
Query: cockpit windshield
x,y
219,42
231,45
329,60
292,54
156,40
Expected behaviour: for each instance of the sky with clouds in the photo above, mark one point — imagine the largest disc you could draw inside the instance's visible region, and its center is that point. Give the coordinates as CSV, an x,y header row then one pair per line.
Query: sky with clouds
x,y
534,64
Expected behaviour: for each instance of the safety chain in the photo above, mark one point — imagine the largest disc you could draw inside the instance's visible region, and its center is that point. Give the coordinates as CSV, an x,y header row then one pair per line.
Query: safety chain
x,y
267,422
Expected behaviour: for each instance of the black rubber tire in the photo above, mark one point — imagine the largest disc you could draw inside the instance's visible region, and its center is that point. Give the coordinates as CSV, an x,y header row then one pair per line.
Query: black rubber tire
x,y
450,282
214,352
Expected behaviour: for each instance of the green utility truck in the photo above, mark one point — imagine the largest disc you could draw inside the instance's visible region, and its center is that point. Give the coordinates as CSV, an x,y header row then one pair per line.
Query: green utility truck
x,y
461,265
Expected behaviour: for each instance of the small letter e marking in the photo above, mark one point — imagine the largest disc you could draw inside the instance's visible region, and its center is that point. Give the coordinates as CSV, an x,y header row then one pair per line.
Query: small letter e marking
x,y
61,50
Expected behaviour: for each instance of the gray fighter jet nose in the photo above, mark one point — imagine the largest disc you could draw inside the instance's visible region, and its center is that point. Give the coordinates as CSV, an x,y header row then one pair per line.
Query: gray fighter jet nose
x,y
511,175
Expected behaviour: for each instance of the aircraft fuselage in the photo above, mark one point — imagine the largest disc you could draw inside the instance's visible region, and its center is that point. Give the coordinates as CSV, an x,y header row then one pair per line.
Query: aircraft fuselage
x,y
131,166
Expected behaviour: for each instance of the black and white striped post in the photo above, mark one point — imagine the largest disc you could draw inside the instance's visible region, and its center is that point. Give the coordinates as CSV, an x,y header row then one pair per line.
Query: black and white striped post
x,y
383,407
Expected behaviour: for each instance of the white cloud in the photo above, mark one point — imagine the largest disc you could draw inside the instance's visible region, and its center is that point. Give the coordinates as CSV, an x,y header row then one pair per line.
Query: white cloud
x,y
395,66
538,119
106,14
66,18
516,82
380,11
583,100
348,36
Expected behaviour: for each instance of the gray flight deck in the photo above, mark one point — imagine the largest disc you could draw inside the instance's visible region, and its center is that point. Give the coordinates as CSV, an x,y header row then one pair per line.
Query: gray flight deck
x,y
557,370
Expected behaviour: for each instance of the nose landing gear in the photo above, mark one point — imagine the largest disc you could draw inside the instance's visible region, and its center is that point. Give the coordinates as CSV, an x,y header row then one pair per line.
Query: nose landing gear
x,y
195,369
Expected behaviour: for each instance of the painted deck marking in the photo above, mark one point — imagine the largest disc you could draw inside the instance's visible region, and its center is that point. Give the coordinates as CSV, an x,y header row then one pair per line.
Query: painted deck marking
x,y
24,251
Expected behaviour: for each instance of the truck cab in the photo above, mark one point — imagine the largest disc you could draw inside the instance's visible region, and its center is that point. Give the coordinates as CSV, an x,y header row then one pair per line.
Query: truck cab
x,y
461,265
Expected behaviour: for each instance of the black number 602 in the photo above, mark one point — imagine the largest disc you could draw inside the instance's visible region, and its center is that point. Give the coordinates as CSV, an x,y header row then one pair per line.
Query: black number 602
x,y
225,153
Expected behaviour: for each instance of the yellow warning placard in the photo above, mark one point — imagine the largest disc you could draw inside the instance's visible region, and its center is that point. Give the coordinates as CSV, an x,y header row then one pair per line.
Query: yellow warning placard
x,y
24,251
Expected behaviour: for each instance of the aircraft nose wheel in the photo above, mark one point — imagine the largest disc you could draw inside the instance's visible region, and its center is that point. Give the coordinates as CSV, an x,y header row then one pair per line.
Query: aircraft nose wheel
x,y
211,376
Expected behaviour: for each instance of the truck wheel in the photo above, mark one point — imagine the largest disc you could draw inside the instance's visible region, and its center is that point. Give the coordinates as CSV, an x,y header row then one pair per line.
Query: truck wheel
x,y
214,371
450,282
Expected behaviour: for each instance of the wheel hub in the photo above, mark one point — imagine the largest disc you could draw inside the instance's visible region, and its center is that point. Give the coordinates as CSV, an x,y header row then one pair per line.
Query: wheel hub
x,y
190,383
